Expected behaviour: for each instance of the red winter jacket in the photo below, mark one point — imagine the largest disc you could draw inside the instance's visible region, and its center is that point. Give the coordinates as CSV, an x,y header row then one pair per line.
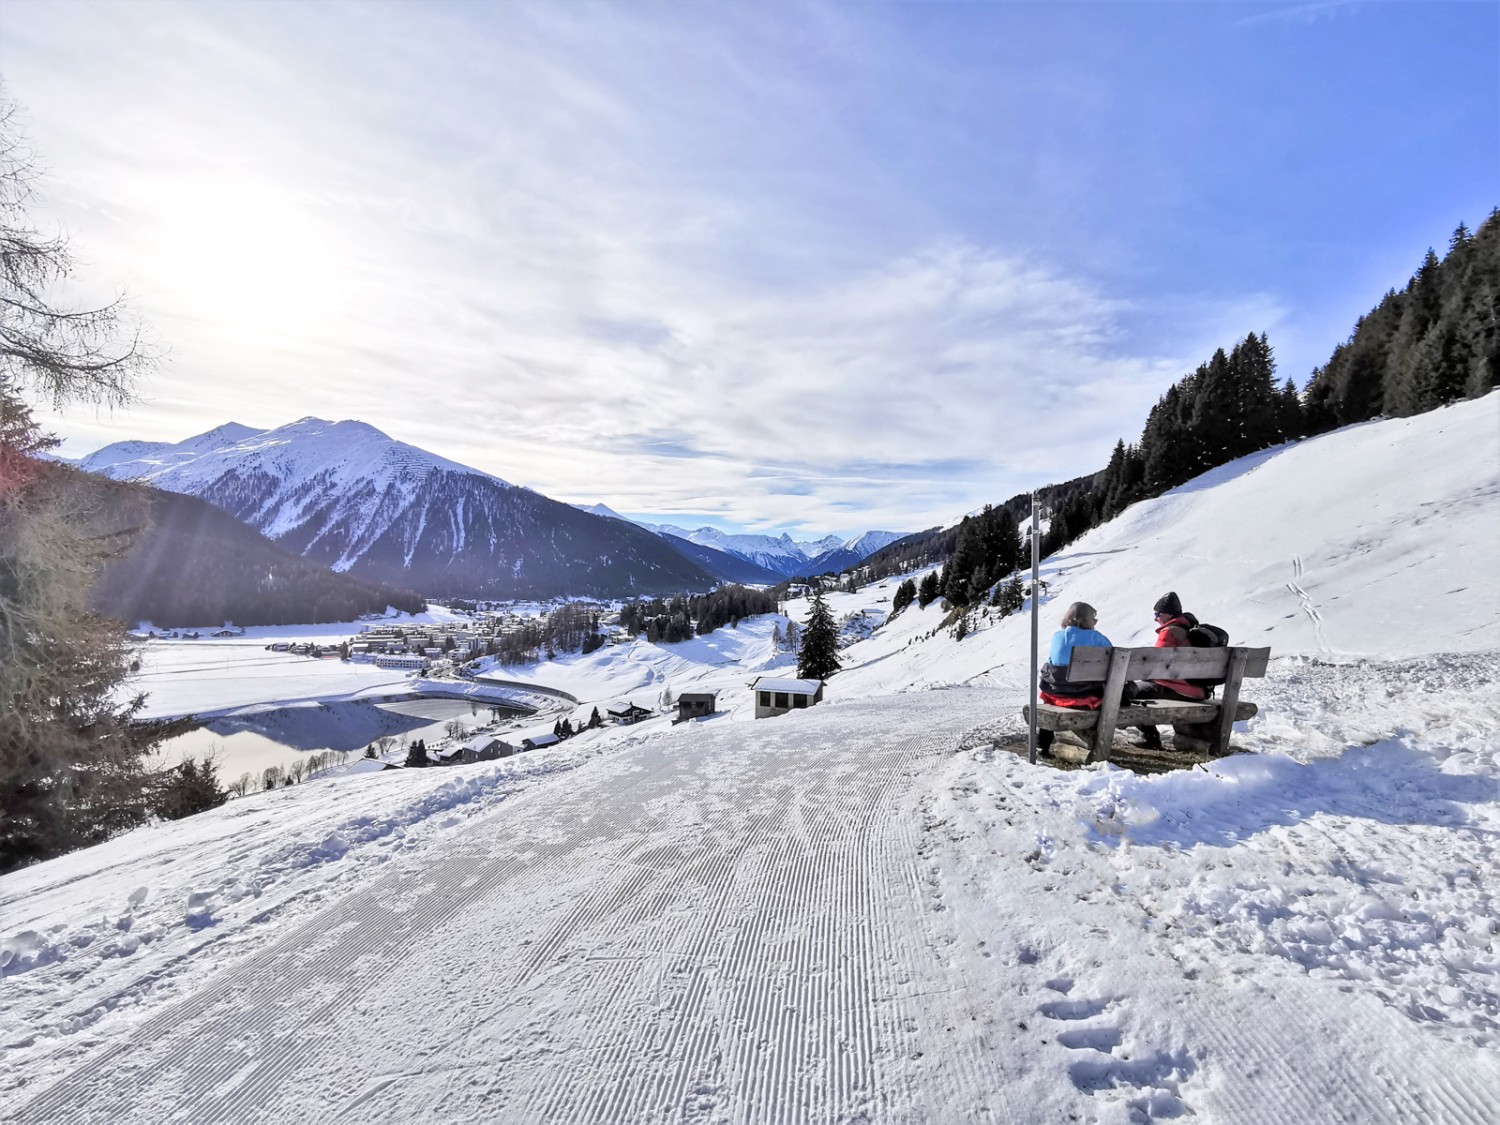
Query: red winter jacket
x,y
1174,634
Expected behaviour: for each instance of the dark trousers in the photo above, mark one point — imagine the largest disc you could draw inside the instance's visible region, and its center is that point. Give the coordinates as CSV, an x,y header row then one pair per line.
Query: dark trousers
x,y
1149,689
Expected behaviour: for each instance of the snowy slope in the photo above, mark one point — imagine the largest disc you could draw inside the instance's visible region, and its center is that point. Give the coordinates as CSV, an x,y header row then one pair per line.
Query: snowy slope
x,y
871,910
1378,541
346,495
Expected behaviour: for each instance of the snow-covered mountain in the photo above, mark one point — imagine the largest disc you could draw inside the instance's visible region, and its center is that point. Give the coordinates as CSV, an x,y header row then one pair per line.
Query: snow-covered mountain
x,y
770,557
601,510
782,554
347,495
853,551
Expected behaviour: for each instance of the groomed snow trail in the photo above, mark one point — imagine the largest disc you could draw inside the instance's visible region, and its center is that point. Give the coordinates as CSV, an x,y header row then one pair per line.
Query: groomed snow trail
x,y
723,926
868,913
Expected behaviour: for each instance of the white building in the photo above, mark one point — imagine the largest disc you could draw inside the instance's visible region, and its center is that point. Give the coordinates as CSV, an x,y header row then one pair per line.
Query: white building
x,y
400,660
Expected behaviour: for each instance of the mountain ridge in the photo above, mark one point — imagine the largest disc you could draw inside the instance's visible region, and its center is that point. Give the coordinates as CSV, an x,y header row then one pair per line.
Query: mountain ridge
x,y
351,497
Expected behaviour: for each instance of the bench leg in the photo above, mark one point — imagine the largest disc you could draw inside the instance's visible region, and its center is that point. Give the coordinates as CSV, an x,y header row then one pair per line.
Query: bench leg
x,y
1109,710
1238,658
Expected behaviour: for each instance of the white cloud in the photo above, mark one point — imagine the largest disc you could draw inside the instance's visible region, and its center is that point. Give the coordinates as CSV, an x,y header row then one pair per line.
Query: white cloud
x,y
591,255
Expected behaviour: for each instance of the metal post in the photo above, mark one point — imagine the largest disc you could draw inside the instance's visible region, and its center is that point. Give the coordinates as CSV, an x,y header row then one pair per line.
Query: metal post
x,y
1036,563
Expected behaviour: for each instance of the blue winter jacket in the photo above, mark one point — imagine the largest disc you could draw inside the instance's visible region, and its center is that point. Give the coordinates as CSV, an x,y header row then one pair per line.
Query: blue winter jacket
x,y
1064,639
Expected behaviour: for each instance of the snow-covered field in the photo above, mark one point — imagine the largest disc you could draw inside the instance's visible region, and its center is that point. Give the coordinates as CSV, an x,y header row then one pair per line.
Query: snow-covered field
x,y
873,910
213,675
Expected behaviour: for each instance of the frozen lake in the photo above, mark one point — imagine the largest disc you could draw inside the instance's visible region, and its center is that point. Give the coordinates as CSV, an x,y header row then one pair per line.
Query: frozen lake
x,y
254,739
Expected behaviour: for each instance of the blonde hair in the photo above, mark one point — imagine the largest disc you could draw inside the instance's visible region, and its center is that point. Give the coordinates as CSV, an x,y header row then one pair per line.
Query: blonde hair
x,y
1081,614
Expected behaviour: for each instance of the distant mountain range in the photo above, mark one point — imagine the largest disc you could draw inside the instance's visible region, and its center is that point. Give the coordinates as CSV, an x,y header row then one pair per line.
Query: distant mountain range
x,y
354,499
781,556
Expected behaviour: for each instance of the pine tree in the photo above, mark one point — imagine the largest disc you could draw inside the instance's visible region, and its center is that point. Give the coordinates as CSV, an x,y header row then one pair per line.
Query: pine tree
x,y
967,558
906,593
928,591
192,787
71,756
819,658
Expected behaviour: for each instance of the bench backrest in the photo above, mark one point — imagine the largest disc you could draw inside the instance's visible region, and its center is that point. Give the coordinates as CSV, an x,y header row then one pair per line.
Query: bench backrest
x,y
1092,664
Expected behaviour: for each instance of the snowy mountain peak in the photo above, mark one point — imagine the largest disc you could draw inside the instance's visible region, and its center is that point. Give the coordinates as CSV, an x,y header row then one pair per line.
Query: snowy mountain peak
x,y
228,434
349,496
872,541
601,510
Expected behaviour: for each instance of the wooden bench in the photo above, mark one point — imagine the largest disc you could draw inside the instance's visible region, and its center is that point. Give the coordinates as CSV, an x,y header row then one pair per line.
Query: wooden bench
x,y
1213,718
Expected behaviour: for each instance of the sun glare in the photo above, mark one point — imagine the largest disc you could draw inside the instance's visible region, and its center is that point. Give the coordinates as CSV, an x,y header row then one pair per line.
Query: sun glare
x,y
248,257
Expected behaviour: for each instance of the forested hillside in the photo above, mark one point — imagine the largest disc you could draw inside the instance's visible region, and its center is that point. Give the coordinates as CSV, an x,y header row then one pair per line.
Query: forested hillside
x,y
192,564
1435,341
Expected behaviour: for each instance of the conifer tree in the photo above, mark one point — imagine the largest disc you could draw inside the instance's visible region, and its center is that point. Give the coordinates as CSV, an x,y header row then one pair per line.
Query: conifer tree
x,y
71,755
819,657
928,591
906,593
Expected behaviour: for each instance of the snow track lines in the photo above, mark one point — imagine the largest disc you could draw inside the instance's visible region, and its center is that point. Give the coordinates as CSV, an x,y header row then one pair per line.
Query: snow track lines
x,y
717,933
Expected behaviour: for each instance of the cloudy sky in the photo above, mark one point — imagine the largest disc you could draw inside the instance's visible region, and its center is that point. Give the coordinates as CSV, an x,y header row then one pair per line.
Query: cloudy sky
x,y
814,267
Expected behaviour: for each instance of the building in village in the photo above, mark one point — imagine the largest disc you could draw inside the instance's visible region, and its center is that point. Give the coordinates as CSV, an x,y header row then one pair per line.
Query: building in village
x,y
776,695
485,748
695,705
627,713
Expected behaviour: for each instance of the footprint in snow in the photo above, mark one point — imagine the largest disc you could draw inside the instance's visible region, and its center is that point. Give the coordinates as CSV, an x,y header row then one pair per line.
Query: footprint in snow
x,y
1147,1082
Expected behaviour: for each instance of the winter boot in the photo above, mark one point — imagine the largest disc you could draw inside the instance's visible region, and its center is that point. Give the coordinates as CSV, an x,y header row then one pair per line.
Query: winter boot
x,y
1150,739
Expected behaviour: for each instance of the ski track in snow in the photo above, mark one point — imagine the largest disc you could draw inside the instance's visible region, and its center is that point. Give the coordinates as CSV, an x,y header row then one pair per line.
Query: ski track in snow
x,y
746,947
864,914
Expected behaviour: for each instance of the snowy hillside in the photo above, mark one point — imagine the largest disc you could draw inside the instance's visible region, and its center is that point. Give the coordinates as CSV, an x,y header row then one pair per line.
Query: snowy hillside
x,y
346,495
873,910
1378,541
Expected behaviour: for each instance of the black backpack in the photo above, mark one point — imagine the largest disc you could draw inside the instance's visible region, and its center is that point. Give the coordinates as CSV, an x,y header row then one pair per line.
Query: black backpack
x,y
1201,635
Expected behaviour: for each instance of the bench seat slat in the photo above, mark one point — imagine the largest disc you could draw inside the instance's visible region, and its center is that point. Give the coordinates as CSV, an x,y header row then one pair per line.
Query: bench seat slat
x,y
1157,712
1091,664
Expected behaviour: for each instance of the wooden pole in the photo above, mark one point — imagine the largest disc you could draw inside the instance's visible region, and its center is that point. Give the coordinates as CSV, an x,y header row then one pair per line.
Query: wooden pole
x,y
1036,564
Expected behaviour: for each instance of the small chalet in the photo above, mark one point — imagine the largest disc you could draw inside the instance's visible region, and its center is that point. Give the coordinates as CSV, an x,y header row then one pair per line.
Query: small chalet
x,y
695,704
539,741
628,714
775,695
486,748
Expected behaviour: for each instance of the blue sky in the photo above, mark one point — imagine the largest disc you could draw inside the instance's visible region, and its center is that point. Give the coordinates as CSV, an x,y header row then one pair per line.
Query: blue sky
x,y
789,266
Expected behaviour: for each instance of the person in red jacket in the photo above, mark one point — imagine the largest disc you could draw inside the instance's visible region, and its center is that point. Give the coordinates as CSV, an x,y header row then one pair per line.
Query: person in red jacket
x,y
1172,626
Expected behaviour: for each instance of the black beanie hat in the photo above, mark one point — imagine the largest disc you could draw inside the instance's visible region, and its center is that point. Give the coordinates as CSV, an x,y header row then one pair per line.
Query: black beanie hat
x,y
1169,605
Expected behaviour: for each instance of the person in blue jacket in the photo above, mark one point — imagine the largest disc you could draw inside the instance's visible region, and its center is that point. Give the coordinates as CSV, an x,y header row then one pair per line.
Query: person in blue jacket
x,y
1053,683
